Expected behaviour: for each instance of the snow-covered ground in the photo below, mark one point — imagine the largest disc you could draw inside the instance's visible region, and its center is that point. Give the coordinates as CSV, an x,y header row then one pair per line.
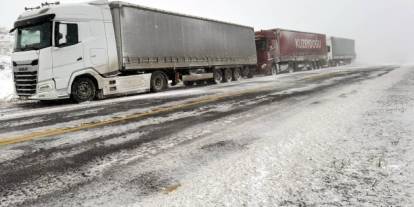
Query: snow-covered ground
x,y
351,145
7,91
339,137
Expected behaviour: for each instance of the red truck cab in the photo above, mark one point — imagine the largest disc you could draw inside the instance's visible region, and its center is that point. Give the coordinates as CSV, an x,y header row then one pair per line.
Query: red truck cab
x,y
266,51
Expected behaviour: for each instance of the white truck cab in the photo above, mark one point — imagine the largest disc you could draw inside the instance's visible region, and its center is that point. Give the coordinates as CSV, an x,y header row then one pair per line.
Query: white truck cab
x,y
69,51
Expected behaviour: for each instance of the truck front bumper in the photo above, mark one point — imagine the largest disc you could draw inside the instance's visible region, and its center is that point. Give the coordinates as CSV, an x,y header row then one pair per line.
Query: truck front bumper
x,y
46,90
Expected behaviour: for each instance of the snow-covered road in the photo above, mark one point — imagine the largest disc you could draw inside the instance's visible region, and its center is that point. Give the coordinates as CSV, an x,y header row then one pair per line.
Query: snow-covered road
x,y
321,138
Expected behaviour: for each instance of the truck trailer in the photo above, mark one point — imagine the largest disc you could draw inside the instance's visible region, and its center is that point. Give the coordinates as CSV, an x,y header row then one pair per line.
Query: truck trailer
x,y
281,50
92,50
341,51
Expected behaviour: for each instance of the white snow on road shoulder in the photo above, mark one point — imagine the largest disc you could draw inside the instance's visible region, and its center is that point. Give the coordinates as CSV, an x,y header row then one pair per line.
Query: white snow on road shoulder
x,y
6,80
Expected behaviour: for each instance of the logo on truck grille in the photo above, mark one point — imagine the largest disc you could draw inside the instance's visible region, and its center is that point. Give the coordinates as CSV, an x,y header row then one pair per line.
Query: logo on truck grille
x,y
308,44
23,69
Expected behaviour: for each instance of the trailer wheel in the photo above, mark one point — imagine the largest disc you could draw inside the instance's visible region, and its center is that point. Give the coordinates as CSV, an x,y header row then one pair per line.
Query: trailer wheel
x,y
228,75
245,72
159,82
236,74
317,65
83,89
217,76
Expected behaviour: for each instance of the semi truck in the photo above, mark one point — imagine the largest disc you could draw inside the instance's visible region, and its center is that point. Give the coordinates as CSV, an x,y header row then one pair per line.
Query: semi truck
x,y
281,50
341,51
87,51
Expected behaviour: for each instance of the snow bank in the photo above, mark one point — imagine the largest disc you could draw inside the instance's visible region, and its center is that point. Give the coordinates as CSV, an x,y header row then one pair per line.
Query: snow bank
x,y
7,91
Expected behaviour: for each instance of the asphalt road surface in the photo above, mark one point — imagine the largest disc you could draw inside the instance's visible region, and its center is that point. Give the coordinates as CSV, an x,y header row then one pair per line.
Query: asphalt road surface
x,y
333,137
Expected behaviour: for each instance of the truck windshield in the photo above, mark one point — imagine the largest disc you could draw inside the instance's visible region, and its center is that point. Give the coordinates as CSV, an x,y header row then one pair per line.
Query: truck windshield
x,y
34,37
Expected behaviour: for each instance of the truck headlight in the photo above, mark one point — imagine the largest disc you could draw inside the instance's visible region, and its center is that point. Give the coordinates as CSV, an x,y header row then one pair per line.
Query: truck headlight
x,y
45,87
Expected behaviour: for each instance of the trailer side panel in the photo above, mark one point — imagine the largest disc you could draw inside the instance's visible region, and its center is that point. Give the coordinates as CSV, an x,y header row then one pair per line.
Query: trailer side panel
x,y
152,39
301,46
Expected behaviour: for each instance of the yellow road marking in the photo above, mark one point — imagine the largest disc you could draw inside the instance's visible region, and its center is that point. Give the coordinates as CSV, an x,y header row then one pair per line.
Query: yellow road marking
x,y
114,120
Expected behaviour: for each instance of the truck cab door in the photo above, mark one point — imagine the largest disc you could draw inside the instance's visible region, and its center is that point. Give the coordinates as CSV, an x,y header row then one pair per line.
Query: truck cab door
x,y
67,53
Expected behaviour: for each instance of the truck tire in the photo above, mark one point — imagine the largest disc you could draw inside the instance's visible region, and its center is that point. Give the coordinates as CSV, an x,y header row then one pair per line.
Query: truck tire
x,y
83,89
245,72
227,75
159,82
251,73
314,65
217,76
236,74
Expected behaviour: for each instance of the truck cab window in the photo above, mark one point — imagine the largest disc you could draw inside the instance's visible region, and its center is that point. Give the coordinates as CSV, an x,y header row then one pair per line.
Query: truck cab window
x,y
66,34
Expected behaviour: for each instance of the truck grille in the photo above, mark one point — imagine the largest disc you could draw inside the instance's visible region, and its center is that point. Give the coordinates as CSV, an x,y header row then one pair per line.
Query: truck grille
x,y
26,83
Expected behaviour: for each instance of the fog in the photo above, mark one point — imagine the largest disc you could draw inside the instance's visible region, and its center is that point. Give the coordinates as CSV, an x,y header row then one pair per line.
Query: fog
x,y
383,29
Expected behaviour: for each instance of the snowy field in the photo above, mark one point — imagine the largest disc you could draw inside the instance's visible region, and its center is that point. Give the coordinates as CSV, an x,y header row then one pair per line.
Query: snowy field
x,y
6,80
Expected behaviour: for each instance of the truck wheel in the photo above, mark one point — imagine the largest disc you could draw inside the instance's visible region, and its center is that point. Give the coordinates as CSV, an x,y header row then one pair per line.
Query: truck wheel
x,y
228,75
236,74
218,76
83,89
313,66
245,72
158,82
251,73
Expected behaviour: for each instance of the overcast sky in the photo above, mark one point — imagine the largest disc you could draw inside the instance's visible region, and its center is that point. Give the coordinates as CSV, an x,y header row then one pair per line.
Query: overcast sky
x,y
383,29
